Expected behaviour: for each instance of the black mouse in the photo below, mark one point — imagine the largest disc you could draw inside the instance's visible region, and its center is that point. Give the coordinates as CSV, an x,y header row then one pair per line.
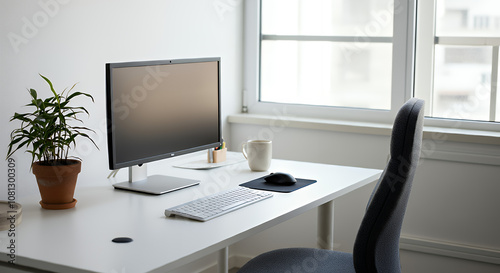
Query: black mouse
x,y
281,179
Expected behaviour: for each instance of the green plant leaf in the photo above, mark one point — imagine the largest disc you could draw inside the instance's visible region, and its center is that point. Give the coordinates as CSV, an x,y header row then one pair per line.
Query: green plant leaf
x,y
21,117
33,93
75,94
46,131
51,86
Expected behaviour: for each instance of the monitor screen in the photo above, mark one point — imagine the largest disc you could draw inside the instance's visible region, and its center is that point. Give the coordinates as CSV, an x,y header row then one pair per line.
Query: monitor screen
x,y
161,109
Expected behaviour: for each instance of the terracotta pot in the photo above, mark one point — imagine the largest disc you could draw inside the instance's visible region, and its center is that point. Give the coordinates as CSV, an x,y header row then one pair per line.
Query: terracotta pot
x,y
57,184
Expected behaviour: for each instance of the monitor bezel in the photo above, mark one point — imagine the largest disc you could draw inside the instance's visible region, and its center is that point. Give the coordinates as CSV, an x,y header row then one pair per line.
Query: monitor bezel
x,y
113,164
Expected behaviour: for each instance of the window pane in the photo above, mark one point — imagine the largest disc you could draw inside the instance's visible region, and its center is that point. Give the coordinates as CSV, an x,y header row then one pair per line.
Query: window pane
x,y
479,18
326,73
462,82
328,17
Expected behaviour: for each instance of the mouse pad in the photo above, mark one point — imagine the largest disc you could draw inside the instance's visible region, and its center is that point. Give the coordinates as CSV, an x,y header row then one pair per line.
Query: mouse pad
x,y
261,184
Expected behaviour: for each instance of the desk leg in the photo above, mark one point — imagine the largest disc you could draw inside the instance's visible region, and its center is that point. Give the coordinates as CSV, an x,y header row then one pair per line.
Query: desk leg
x,y
325,225
222,262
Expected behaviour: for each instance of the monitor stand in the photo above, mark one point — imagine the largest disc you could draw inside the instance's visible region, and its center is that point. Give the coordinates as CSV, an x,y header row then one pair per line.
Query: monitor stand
x,y
139,181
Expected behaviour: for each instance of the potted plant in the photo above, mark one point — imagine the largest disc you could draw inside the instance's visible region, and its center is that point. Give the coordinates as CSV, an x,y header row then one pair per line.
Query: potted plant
x,y
48,133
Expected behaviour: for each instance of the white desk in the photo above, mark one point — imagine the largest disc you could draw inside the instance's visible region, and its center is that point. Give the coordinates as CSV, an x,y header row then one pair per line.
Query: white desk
x,y
79,239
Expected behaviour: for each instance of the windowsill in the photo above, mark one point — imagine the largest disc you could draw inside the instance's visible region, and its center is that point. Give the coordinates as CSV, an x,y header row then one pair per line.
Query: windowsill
x,y
436,133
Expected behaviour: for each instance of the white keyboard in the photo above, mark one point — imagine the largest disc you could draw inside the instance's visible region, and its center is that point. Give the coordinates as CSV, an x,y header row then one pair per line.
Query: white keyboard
x,y
215,205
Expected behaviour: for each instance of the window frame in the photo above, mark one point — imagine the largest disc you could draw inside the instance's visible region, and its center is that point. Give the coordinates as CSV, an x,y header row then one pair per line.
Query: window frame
x,y
402,76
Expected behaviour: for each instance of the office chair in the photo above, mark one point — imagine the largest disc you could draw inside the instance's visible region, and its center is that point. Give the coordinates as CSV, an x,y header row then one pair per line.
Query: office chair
x,y
376,248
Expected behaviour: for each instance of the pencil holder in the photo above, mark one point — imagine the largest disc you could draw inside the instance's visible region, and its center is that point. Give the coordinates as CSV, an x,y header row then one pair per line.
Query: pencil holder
x,y
220,155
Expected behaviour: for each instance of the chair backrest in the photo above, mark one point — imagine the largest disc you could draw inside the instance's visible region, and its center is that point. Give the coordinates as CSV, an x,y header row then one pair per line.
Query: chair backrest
x,y
376,248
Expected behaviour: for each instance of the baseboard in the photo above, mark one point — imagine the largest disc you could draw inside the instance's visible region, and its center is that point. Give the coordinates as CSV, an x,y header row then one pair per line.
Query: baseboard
x,y
433,247
450,249
233,261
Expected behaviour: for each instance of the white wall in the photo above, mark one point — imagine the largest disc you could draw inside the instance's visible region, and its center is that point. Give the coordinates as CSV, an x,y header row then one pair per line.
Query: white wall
x,y
453,205
70,42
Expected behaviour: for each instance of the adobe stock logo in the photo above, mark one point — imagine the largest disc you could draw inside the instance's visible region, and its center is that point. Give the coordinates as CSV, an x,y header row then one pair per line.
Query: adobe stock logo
x,y
31,26
221,7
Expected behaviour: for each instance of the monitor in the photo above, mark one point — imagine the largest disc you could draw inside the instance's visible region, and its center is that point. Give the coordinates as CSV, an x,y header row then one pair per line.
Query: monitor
x,y
157,110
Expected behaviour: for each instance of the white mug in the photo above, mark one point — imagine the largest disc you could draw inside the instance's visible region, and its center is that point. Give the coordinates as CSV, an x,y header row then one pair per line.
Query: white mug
x,y
258,153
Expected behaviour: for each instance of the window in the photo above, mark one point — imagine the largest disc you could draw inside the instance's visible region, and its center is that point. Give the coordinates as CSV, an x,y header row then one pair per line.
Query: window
x,y
327,52
328,58
362,59
457,59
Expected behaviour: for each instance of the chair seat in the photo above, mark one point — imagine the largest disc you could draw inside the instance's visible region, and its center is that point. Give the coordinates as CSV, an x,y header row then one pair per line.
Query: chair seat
x,y
296,260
